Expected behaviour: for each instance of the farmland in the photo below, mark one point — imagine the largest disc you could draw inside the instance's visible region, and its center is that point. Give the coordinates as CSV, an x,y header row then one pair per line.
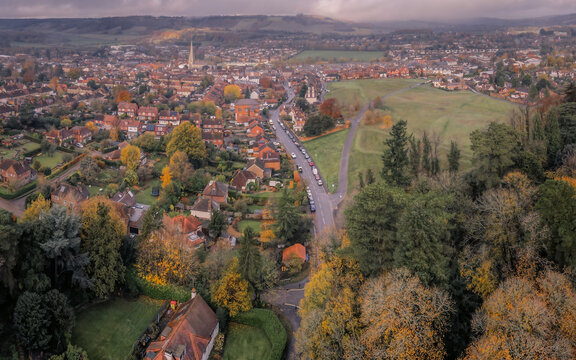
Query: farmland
x,y
337,56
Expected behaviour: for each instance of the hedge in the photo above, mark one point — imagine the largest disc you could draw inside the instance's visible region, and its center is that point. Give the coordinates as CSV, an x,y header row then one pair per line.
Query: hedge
x,y
32,153
67,166
8,195
273,328
159,292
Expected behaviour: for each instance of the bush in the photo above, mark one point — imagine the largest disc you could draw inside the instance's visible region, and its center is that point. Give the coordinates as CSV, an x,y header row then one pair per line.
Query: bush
x,y
269,322
159,292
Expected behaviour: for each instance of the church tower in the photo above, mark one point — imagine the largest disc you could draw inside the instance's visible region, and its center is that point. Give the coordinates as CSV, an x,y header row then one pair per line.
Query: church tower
x,y
191,57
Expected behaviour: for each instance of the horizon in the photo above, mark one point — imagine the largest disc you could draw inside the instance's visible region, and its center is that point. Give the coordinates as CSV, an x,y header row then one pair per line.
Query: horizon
x,y
361,11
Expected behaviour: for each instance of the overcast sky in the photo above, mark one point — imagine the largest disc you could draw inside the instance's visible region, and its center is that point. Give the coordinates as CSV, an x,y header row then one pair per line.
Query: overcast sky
x,y
358,10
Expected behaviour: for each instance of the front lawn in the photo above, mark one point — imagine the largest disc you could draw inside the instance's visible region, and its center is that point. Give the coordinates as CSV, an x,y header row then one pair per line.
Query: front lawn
x,y
246,343
108,330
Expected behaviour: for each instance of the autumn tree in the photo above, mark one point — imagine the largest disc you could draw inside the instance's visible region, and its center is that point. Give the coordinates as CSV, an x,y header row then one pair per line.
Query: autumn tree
x,y
166,177
92,127
395,157
188,139
101,232
330,107
35,209
180,167
130,156
231,292
65,122
123,96
232,92
403,318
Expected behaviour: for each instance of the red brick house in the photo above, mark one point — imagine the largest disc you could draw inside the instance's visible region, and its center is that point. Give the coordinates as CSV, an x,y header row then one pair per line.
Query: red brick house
x,y
69,195
81,134
59,137
187,229
255,129
189,335
168,117
106,122
216,191
128,109
148,113
215,138
16,172
242,178
246,111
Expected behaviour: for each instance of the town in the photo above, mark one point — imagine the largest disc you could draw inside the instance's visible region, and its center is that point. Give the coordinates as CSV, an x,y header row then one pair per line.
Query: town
x,y
184,198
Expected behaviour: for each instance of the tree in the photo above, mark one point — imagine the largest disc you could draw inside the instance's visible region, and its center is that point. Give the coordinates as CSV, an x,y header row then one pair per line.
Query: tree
x,y
166,177
217,223
74,73
454,157
318,124
395,157
330,107
61,319
10,234
527,319
361,183
249,259
31,322
57,232
72,353
152,221
370,179
426,154
414,155
65,122
570,92
35,209
372,224
404,319
92,127
130,156
303,90
89,169
231,292
123,96
557,206
232,92
494,151
180,167
287,218
131,177
187,138
102,231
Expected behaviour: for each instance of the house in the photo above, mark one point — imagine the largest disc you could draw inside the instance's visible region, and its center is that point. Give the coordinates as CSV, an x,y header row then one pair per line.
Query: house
x,y
69,195
81,134
246,111
187,229
148,113
127,108
242,178
169,117
16,172
294,251
217,191
125,198
215,138
130,127
136,218
255,129
212,124
106,122
189,335
59,137
203,208
258,168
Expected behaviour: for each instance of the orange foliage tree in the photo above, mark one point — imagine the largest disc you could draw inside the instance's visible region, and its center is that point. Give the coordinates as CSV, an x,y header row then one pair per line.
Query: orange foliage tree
x,y
331,108
123,95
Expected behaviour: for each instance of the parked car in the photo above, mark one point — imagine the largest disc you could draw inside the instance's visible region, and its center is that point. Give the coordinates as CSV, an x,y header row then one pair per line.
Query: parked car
x,y
293,156
311,163
300,168
320,183
312,208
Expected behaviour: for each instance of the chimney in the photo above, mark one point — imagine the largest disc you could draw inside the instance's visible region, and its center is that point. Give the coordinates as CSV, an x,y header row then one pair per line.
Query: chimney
x,y
193,293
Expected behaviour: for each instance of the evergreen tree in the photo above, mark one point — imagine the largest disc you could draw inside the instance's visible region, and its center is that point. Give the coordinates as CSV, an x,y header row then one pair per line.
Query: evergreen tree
x,y
361,180
31,322
61,318
287,218
217,223
395,157
10,234
249,259
370,179
454,157
426,154
414,156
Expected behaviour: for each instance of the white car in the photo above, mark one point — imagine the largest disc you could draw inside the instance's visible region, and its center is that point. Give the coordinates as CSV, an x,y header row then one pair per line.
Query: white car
x,y
320,183
293,156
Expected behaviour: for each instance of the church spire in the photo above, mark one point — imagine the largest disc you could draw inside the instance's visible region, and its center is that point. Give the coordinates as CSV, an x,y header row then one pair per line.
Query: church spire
x,y
191,57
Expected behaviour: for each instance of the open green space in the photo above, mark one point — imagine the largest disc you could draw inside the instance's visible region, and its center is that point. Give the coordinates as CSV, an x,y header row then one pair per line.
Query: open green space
x,y
50,161
326,151
443,115
254,224
255,334
338,56
246,343
108,330
352,95
144,196
10,153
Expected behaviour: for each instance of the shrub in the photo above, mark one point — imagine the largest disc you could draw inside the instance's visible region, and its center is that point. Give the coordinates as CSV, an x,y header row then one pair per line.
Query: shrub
x,y
159,292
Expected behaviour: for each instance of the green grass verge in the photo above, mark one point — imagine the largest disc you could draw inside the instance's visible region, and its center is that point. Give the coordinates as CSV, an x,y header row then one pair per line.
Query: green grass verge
x,y
337,56
326,152
108,330
254,224
446,115
361,92
272,328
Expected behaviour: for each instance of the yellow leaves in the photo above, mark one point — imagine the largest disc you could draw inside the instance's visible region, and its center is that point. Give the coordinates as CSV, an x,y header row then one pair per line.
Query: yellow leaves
x,y
166,177
91,126
232,92
89,213
114,134
37,207
130,156
482,279
123,95
568,180
231,292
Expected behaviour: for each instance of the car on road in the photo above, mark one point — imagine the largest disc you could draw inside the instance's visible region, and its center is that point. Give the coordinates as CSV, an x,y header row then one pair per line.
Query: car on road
x,y
307,156
300,168
320,183
314,170
293,156
312,208
316,176
311,163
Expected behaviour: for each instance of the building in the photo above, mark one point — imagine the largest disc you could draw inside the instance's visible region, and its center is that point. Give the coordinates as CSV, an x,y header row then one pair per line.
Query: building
x,y
16,172
187,229
169,117
246,111
295,251
81,134
128,109
59,137
189,335
217,191
148,113
242,178
69,195
203,207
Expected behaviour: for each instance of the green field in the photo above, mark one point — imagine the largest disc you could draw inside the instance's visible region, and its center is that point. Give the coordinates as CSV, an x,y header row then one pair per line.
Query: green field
x,y
144,196
337,56
108,330
326,151
254,224
446,115
246,343
360,92
50,161
11,153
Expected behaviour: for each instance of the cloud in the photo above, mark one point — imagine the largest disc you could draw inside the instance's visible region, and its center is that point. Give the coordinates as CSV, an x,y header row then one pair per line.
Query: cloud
x,y
359,10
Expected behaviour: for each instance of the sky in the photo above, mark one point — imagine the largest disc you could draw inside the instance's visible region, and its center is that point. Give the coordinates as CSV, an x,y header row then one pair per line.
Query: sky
x,y
355,10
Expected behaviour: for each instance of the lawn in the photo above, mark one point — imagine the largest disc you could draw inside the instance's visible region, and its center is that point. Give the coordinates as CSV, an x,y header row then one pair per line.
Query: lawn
x,y
11,153
254,224
108,330
337,56
360,92
144,196
263,197
326,151
246,343
446,115
50,161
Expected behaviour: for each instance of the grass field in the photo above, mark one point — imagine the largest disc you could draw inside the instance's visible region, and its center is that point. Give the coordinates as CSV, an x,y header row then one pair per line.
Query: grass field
x,y
326,152
447,115
337,56
360,92
108,331
246,343
50,161
144,196
11,153
254,224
